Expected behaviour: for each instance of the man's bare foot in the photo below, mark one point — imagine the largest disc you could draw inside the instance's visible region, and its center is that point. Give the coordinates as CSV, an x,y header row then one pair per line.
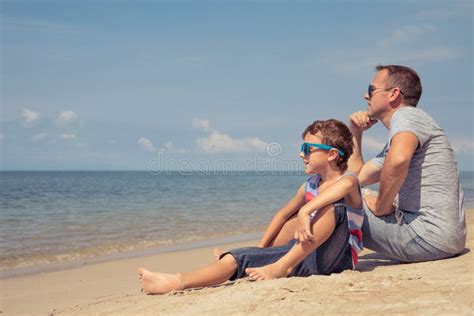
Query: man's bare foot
x,y
268,272
158,283
217,253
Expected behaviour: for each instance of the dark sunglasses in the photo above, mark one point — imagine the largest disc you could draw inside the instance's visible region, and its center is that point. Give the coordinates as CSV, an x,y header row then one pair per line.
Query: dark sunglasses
x,y
371,89
305,148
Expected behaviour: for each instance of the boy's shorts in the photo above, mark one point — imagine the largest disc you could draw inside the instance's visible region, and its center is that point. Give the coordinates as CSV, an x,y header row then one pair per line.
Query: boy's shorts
x,y
333,256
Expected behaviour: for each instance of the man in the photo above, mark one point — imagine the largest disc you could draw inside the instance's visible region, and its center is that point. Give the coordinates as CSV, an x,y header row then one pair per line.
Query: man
x,y
419,213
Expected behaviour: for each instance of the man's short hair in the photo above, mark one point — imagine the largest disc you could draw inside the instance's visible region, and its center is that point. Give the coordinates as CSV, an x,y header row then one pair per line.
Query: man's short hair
x,y
406,79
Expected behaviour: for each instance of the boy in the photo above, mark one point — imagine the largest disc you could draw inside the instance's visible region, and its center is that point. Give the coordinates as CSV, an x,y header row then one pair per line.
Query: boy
x,y
327,235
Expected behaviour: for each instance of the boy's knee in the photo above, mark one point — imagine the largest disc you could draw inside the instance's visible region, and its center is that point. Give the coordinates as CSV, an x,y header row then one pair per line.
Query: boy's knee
x,y
325,219
326,211
228,259
328,208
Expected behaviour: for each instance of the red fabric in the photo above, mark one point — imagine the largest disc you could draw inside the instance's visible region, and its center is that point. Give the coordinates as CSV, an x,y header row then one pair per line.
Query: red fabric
x,y
357,233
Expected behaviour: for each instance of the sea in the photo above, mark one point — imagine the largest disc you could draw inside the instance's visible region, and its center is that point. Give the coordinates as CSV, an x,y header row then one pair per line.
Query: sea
x,y
51,219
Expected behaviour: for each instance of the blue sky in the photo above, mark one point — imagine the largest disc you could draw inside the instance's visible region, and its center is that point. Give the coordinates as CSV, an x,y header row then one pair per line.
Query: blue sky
x,y
134,85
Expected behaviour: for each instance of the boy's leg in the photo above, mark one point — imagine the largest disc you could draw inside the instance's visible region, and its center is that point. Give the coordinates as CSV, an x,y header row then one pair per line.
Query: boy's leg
x,y
286,233
284,236
161,283
322,228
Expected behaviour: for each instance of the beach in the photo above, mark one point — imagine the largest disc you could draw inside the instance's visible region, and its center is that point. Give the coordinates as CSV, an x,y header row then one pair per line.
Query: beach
x,y
378,286
145,134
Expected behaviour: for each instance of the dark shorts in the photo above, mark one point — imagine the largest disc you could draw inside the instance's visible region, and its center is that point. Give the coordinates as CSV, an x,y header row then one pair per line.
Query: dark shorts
x,y
333,256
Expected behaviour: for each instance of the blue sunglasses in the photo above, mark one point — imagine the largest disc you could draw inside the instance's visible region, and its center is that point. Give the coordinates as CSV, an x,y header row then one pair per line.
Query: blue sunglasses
x,y
305,148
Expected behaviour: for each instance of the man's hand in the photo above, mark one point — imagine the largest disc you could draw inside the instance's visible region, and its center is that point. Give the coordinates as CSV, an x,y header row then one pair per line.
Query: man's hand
x,y
303,227
370,198
359,122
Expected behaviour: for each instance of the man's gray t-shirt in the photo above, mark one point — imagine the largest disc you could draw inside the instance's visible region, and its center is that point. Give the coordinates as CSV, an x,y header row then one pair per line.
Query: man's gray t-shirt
x,y
431,197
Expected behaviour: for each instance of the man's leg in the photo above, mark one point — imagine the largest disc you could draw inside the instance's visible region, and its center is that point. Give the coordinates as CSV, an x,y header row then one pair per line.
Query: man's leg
x,y
396,240
322,228
382,234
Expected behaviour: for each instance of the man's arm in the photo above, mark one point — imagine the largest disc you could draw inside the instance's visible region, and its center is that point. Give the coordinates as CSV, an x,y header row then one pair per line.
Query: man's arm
x,y
394,171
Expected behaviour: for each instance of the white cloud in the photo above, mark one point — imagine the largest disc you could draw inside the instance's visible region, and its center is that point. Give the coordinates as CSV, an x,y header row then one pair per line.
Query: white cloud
x,y
459,10
463,146
30,25
67,136
411,44
169,146
405,34
361,60
372,144
66,117
30,116
220,142
39,137
146,144
434,54
202,124
414,30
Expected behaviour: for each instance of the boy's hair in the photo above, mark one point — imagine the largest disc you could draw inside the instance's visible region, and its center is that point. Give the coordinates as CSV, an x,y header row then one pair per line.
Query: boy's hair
x,y
335,134
406,79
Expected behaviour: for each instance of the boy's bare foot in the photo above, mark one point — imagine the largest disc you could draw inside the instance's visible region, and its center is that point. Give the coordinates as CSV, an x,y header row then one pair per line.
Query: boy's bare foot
x,y
268,272
158,283
217,253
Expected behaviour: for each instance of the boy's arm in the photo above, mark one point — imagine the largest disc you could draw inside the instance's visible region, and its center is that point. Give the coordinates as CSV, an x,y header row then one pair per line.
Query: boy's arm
x,y
282,216
331,194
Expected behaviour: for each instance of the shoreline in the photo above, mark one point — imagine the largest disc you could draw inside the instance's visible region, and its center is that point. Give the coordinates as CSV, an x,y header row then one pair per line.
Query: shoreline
x,y
49,292
124,255
378,285
137,253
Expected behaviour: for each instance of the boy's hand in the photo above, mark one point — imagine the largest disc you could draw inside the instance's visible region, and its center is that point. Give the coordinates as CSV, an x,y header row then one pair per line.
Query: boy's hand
x,y
359,122
303,229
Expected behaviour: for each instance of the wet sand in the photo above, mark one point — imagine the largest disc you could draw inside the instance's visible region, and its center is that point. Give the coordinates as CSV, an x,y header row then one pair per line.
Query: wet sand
x,y
378,286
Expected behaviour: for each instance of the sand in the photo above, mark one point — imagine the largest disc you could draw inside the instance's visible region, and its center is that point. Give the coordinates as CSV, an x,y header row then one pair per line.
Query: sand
x,y
379,286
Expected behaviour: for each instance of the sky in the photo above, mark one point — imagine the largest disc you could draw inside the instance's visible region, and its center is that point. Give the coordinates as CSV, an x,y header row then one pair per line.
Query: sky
x,y
206,85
